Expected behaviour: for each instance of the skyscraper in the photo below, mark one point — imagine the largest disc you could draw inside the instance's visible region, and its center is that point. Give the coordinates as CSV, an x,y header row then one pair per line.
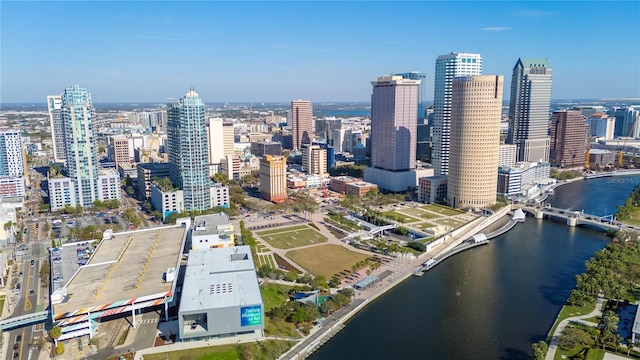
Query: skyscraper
x,y
447,67
529,109
314,160
476,108
301,123
568,139
54,105
189,151
394,116
78,116
11,154
423,138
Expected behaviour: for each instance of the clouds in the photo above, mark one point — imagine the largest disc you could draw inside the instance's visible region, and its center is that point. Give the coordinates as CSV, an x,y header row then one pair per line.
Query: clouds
x,y
496,28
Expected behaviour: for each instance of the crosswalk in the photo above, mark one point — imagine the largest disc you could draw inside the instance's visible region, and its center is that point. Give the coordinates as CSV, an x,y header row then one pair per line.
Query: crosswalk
x,y
147,321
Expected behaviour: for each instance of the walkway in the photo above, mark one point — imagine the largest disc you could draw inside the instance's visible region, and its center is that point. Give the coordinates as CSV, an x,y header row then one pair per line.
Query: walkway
x,y
551,353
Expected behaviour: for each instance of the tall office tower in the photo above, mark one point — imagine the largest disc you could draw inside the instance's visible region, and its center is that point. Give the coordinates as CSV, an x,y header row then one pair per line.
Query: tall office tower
x,y
189,151
314,160
273,178
423,138
216,144
476,108
529,109
12,161
618,113
54,104
394,116
301,123
447,67
228,136
78,116
568,139
630,125
601,126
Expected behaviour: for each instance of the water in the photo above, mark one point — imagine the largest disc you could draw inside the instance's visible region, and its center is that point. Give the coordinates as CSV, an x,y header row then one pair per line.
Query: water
x,y
491,302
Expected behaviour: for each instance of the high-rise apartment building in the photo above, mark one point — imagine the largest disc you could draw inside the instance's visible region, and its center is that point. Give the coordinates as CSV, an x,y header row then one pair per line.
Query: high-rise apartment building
x,y
216,140
476,107
119,150
314,160
78,115
447,67
188,149
568,139
394,116
301,123
12,161
54,105
273,178
529,109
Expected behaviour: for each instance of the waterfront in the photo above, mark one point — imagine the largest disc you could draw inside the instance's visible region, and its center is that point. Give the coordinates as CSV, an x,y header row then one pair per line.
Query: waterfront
x,y
491,302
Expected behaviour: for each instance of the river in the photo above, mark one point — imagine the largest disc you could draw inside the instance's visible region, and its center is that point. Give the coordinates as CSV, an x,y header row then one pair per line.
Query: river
x,y
491,302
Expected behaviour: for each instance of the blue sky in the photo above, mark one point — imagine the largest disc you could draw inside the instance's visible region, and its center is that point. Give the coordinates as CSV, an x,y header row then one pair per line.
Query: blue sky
x,y
126,51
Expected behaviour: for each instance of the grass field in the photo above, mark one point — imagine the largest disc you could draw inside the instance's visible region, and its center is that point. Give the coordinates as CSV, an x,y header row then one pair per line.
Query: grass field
x,y
275,231
442,210
274,295
293,237
269,349
569,311
325,260
449,222
404,218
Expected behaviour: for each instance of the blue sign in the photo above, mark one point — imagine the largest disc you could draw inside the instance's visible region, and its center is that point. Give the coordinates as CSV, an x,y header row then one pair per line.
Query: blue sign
x,y
251,315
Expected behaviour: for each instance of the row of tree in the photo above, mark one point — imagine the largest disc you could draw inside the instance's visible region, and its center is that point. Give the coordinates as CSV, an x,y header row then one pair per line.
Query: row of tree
x,y
299,313
631,205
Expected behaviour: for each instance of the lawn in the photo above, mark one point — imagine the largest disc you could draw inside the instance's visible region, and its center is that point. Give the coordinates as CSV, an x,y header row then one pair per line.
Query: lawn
x,y
449,222
273,295
325,260
270,349
593,353
275,231
443,210
2,298
569,311
291,238
403,218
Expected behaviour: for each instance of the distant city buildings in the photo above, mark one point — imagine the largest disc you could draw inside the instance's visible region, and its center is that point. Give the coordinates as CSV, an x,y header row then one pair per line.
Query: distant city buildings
x,y
301,123
188,149
476,104
601,126
524,180
529,109
447,67
568,139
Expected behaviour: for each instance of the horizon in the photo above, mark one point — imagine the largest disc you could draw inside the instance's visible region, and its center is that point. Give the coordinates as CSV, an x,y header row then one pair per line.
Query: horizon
x,y
230,51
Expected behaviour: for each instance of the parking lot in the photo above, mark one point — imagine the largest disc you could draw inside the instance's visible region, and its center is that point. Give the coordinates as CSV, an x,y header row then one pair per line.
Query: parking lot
x,y
66,260
61,226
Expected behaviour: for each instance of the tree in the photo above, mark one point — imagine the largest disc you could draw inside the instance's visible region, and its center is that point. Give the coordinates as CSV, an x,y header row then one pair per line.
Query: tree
x,y
572,337
539,350
54,333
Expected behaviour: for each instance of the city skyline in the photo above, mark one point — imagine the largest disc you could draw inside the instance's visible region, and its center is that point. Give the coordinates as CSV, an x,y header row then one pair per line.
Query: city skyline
x,y
271,52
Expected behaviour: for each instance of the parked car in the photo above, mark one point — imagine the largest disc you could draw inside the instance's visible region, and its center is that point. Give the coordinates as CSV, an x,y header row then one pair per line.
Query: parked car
x,y
58,279
33,263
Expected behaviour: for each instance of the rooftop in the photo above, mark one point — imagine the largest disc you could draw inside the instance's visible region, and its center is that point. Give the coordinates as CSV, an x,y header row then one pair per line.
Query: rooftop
x,y
114,271
599,152
210,223
218,278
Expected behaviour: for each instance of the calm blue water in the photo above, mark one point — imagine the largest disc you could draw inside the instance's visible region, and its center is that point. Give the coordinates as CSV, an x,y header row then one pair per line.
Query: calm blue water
x,y
510,291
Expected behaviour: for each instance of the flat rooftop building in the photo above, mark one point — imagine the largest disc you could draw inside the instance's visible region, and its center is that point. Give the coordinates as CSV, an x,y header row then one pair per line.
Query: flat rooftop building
x,y
220,295
212,231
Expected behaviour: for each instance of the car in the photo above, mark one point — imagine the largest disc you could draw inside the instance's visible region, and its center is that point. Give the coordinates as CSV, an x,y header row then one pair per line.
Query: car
x,y
31,292
18,338
20,273
101,215
16,355
58,279
33,263
16,346
107,221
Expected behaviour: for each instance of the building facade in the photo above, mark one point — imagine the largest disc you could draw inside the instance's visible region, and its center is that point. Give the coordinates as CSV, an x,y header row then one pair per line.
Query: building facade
x,y
394,116
12,161
601,126
568,139
261,148
507,155
432,189
512,181
120,150
61,192
146,173
273,178
529,109
475,136
212,231
301,123
189,151
314,160
166,201
447,67
54,106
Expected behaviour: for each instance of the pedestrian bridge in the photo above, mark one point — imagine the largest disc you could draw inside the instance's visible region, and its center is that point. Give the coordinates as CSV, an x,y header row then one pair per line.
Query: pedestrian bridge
x,y
572,218
24,320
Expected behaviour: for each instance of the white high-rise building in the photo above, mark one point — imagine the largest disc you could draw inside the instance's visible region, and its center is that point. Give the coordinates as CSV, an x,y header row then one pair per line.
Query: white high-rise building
x,y
11,155
54,104
529,109
447,67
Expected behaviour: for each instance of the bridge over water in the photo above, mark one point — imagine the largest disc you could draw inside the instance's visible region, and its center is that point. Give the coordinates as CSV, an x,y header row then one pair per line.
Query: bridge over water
x,y
573,218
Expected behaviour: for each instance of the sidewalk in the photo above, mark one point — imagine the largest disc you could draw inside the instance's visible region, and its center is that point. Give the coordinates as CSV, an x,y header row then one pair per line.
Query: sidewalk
x,y
551,353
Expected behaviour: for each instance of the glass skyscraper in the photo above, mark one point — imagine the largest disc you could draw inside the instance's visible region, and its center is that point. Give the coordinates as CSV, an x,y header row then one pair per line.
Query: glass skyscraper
x,y
423,138
529,109
78,115
447,67
188,150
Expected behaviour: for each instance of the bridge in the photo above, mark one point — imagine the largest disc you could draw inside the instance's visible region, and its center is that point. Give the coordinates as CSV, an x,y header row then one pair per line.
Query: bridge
x,y
613,173
573,218
378,229
24,320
